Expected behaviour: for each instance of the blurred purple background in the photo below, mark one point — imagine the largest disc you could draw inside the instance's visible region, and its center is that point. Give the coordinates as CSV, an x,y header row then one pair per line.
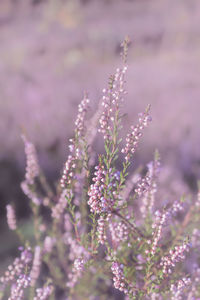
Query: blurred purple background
x,y
51,51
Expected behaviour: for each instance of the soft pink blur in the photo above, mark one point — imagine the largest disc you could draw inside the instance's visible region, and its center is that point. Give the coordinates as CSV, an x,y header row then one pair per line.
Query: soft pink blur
x,y
53,51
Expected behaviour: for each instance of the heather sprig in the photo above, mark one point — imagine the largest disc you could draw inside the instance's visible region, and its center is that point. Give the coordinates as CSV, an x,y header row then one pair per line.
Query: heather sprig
x,y
11,218
175,255
147,186
76,145
32,165
133,137
177,289
18,267
17,290
103,232
44,292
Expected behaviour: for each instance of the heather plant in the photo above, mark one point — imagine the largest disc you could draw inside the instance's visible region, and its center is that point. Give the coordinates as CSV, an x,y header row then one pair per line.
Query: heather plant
x,y
101,232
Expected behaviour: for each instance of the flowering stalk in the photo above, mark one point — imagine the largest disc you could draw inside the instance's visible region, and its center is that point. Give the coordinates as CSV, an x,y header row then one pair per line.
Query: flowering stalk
x,y
177,290
59,208
35,271
11,218
75,147
132,138
118,279
17,291
161,220
76,273
119,233
44,292
32,166
175,255
148,186
18,267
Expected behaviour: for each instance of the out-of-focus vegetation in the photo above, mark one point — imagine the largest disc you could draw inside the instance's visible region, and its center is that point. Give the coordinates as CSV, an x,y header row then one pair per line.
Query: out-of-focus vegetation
x,y
53,50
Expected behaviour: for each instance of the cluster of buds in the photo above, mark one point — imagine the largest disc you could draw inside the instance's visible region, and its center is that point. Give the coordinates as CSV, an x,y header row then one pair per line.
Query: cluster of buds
x,y
101,229
96,199
161,219
112,98
26,188
159,222
75,145
176,208
150,186
132,138
80,120
143,185
11,218
17,290
76,273
18,266
69,168
32,167
119,232
35,271
32,171
43,293
177,290
102,197
177,254
59,208
119,279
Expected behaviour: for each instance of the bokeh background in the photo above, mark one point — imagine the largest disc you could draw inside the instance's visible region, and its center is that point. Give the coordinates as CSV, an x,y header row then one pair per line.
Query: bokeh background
x,y
51,51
